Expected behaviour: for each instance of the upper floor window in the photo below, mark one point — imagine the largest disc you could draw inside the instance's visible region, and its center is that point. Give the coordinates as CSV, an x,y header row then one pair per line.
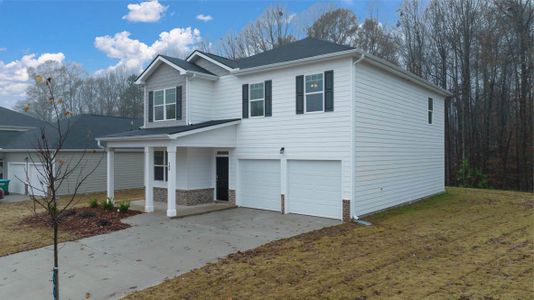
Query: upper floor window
x,y
430,109
165,104
160,165
314,92
257,99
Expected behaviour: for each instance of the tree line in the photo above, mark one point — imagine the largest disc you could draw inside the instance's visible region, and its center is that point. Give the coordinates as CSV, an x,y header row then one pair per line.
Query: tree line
x,y
481,51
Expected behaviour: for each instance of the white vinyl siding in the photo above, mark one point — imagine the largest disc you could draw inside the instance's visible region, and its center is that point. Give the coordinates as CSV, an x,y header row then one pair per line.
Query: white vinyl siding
x,y
201,100
398,156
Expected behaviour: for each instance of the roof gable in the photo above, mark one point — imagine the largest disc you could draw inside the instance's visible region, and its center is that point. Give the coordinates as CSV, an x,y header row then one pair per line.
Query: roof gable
x,y
180,65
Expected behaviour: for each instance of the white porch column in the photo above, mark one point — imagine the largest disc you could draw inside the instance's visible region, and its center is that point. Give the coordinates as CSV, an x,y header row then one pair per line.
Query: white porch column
x,y
149,177
110,173
171,181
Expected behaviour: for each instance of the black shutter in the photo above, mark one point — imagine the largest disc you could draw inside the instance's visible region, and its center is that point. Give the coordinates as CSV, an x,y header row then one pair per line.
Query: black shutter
x,y
245,101
300,94
329,91
268,98
178,103
150,106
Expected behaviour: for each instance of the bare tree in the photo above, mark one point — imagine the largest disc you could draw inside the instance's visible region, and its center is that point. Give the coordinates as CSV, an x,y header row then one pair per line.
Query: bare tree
x,y
338,26
54,171
374,39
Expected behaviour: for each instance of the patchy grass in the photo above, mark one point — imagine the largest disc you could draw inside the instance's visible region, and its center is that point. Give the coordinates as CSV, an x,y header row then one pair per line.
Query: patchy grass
x,y
464,244
16,237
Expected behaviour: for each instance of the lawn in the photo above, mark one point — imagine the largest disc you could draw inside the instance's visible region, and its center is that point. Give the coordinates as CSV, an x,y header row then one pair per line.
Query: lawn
x,y
16,237
465,244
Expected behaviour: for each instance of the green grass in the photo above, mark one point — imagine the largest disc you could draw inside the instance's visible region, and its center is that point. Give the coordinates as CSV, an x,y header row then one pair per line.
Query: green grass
x,y
466,243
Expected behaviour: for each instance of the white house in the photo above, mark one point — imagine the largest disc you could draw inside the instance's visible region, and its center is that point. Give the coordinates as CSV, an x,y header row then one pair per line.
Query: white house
x,y
309,128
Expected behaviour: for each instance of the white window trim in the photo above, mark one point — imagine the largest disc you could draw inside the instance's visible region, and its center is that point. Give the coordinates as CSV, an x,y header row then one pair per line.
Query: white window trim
x,y
250,100
430,121
165,166
313,93
164,105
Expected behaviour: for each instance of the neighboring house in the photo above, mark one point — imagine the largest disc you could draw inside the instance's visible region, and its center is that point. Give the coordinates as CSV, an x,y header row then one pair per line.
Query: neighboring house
x,y
21,163
311,128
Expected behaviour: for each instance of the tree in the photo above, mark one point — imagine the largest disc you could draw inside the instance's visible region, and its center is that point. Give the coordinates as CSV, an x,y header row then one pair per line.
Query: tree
x,y
54,171
374,39
131,99
338,26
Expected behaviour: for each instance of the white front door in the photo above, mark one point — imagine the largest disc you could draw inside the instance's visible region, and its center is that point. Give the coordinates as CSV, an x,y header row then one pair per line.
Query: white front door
x,y
259,184
314,188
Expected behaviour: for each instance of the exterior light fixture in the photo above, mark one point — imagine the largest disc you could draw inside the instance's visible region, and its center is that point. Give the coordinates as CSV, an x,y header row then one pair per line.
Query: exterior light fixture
x,y
282,150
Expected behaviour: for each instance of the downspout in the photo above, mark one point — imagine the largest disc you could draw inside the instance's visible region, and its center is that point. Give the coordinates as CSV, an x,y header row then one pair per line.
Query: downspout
x,y
353,139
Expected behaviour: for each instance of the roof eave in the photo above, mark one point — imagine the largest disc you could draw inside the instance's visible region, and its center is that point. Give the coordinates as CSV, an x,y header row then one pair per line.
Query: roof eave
x,y
134,137
200,54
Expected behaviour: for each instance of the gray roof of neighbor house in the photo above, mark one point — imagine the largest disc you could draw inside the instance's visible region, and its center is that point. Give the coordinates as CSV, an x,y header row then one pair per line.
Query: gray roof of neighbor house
x,y
300,49
10,117
82,130
166,130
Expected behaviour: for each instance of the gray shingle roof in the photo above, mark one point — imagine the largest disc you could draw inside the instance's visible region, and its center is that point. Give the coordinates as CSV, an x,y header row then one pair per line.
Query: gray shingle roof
x,y
186,65
167,130
223,60
82,132
10,117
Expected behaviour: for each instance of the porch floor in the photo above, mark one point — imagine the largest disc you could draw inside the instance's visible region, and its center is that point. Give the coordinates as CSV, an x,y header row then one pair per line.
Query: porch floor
x,y
183,210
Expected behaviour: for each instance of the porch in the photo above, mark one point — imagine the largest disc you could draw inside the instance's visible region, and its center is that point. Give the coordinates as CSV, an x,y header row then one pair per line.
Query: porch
x,y
191,161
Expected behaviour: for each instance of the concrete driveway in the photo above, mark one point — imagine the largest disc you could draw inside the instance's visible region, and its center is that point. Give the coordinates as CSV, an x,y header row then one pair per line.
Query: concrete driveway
x,y
155,248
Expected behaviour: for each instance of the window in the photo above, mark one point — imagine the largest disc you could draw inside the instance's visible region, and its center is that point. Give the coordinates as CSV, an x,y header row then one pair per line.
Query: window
x,y
1,169
257,99
430,110
165,104
314,92
160,165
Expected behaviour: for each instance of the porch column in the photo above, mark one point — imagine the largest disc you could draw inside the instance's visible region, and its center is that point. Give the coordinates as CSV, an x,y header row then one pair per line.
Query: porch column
x,y
110,173
171,181
149,177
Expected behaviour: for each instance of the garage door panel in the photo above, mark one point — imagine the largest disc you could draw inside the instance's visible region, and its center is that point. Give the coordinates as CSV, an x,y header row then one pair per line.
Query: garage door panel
x,y
17,175
314,188
259,184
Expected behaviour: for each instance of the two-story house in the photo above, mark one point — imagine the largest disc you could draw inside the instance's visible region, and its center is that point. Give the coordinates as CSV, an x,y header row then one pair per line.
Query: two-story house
x,y
310,128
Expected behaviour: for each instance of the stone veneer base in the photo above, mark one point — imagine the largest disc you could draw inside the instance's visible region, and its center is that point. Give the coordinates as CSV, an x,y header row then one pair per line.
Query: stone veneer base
x,y
185,197
346,210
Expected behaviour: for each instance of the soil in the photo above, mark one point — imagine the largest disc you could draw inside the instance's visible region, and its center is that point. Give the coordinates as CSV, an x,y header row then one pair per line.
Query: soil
x,y
74,222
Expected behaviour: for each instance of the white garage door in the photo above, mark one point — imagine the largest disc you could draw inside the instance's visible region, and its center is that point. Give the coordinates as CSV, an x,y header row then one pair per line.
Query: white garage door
x,y
17,175
259,184
314,188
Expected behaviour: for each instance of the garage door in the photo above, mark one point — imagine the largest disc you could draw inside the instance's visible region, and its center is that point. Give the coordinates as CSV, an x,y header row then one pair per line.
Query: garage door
x,y
259,184
17,175
314,188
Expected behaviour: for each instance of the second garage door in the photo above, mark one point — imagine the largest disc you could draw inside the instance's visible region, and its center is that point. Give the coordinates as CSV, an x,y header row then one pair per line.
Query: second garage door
x,y
19,178
314,188
259,184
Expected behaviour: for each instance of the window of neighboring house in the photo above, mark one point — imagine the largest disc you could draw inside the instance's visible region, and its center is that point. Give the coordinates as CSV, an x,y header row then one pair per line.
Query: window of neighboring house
x,y
257,99
165,104
430,109
1,168
160,165
314,93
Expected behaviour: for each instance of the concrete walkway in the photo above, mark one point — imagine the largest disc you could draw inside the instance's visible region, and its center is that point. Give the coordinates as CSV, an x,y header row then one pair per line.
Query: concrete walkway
x,y
155,248
12,198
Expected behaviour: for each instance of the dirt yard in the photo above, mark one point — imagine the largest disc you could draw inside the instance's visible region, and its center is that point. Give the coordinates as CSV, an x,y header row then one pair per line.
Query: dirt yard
x,y
16,235
465,244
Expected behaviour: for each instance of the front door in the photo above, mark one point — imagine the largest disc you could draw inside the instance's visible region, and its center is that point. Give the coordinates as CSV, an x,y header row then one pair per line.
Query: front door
x,y
222,178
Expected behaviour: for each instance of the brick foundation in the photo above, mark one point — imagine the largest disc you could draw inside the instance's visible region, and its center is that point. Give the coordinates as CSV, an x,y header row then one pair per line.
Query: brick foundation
x,y
185,197
283,203
346,210
231,196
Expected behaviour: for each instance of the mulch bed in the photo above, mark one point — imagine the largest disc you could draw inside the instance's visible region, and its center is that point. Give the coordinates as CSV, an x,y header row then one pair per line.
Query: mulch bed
x,y
85,221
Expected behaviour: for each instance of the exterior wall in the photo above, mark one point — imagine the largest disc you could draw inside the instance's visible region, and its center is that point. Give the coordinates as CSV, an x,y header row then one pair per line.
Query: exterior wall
x,y
165,77
399,157
185,197
213,68
324,135
193,169
201,96
128,170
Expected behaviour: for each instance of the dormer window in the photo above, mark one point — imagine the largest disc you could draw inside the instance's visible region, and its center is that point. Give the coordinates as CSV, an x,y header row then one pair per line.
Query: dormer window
x,y
165,104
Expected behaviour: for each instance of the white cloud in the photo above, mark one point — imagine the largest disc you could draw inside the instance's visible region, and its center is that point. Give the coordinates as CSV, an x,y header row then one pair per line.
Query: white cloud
x,y
147,12
204,18
14,77
3,49
133,54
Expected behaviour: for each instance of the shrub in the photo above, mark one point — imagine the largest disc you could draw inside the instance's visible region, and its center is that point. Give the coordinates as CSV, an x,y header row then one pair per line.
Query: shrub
x,y
68,212
86,214
124,206
107,204
103,222
468,176
93,203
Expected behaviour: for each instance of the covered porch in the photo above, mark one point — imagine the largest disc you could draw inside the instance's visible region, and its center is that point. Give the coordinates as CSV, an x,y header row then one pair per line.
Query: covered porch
x,y
184,166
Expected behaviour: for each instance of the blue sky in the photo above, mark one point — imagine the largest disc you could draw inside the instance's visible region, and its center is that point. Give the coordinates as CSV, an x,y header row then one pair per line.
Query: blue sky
x,y
103,34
